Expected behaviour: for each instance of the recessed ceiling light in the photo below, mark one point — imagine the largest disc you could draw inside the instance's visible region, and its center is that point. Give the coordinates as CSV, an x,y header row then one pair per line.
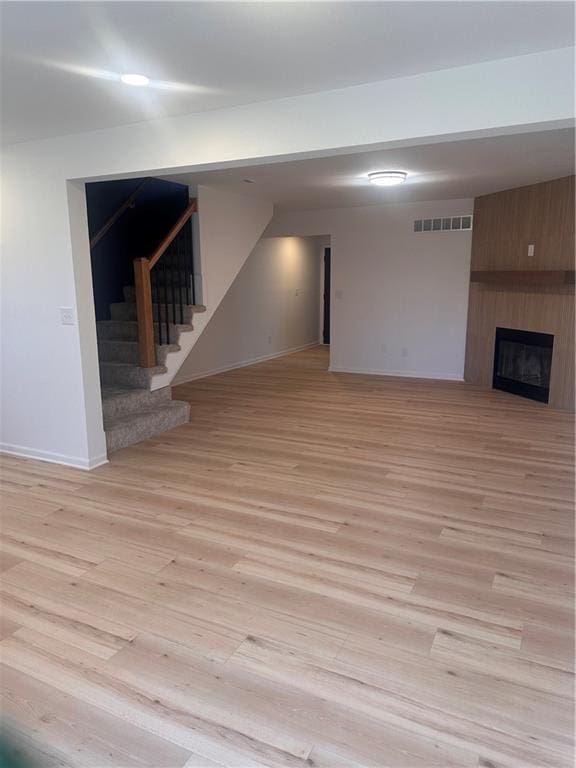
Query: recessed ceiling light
x,y
387,178
131,79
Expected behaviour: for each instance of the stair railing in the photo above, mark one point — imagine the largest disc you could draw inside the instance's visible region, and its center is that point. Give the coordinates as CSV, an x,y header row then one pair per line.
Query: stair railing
x,y
128,203
164,285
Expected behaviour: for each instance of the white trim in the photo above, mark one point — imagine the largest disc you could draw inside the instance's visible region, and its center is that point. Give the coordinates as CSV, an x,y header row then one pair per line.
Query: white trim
x,y
244,363
398,374
54,458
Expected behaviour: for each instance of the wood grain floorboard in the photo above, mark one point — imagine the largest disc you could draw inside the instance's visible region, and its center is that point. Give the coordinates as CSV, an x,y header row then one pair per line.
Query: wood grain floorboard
x,y
320,570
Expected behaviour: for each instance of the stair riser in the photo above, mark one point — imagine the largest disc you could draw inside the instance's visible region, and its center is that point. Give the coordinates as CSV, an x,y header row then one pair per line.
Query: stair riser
x,y
148,425
127,311
125,377
128,352
117,330
127,330
131,402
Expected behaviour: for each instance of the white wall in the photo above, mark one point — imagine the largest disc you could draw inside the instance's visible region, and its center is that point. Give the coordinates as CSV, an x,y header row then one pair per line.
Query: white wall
x,y
229,226
399,298
271,308
49,407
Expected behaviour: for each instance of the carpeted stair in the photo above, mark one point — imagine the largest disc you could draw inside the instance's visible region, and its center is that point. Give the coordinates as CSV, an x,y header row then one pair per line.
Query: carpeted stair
x,y
132,412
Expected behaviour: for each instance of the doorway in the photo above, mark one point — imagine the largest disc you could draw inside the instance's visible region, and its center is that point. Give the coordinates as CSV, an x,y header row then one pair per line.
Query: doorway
x,y
326,295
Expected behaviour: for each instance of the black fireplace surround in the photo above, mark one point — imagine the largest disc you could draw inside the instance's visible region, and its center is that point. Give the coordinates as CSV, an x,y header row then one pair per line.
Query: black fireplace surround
x,y
522,363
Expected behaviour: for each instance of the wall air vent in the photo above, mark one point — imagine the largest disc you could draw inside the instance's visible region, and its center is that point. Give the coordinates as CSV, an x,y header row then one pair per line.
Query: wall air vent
x,y
449,224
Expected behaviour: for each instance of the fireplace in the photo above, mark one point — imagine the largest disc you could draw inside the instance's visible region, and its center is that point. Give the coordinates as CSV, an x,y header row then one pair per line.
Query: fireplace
x,y
522,363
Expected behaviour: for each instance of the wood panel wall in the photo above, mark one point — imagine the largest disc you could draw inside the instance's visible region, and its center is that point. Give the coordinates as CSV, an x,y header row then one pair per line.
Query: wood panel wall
x,y
505,224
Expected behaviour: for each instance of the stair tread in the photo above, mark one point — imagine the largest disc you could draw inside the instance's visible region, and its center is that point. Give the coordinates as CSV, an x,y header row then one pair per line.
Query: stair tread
x,y
196,308
127,429
132,343
135,416
109,391
154,370
122,399
181,326
127,330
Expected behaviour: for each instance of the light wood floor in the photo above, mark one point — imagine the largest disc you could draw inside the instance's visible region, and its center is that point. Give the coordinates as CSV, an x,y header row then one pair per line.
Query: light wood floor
x,y
321,570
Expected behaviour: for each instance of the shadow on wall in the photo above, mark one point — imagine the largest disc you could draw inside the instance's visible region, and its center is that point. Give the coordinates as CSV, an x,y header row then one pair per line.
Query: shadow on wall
x,y
135,234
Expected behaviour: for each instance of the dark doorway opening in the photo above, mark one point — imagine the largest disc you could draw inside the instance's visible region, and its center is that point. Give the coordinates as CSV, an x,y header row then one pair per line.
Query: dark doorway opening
x,y
522,363
327,276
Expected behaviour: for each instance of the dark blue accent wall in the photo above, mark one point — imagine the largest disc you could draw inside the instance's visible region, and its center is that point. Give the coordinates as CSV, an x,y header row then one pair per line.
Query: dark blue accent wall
x,y
137,233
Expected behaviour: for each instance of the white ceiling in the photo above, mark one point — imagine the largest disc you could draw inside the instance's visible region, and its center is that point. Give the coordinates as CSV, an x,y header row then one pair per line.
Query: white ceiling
x,y
447,171
61,60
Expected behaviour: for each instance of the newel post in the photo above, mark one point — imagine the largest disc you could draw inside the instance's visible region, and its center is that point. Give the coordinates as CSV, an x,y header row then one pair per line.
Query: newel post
x,y
143,288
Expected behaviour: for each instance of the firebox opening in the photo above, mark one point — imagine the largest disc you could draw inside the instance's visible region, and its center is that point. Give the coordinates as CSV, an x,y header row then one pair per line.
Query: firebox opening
x,y
522,363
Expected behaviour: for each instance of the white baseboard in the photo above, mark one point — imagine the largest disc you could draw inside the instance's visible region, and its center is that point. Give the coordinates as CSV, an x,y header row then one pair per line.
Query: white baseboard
x,y
54,458
398,374
244,363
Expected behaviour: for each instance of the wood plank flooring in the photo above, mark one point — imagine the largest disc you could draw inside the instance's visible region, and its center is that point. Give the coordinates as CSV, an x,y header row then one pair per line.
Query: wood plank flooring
x,y
319,571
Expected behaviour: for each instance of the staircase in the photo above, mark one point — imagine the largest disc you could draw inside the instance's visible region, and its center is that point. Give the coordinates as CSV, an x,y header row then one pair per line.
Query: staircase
x,y
144,339
143,330
132,412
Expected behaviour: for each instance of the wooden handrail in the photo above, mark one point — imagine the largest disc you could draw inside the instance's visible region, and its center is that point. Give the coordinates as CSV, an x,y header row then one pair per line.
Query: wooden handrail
x,y
143,291
161,249
117,214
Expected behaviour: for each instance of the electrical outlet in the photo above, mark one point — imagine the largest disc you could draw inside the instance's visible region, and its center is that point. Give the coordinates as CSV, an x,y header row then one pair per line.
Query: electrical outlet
x,y
531,249
67,316
404,352
269,339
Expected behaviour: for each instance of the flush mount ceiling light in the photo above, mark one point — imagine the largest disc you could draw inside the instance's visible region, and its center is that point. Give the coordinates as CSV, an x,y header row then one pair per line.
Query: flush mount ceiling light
x,y
387,178
132,79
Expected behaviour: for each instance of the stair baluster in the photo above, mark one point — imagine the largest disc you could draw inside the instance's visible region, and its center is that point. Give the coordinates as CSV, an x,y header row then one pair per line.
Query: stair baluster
x,y
150,290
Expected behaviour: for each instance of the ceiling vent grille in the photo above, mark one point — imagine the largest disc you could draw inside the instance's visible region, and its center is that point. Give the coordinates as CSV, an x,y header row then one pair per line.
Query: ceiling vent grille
x,y
447,224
